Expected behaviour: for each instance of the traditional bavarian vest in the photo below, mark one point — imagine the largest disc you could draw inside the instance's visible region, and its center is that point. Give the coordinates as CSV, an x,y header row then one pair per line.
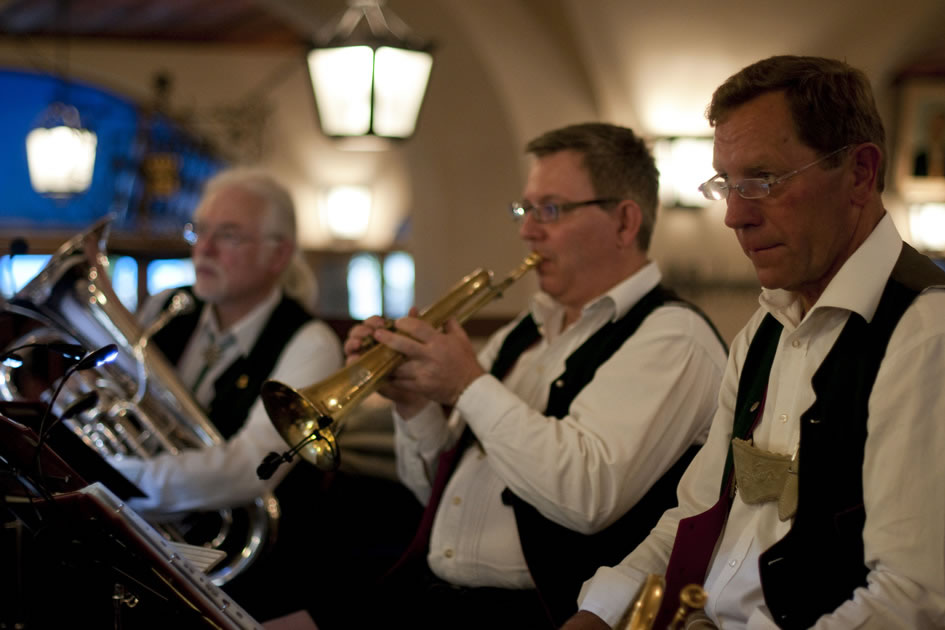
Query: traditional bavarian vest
x,y
237,388
817,565
558,558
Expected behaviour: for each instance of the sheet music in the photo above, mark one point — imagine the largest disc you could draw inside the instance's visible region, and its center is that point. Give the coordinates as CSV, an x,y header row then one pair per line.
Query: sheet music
x,y
177,559
203,558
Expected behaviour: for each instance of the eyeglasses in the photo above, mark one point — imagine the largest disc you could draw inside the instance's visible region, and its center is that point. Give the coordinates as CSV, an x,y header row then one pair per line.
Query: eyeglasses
x,y
224,238
551,212
718,187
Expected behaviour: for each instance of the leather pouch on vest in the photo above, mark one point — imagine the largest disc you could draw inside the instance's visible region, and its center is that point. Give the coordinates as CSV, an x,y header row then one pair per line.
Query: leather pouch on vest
x,y
762,476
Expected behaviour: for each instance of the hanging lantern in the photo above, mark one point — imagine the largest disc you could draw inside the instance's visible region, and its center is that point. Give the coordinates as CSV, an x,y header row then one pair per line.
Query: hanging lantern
x,y
60,153
369,76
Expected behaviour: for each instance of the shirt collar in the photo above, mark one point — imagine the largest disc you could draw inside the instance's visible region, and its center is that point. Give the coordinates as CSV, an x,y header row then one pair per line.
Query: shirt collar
x,y
619,299
856,287
247,329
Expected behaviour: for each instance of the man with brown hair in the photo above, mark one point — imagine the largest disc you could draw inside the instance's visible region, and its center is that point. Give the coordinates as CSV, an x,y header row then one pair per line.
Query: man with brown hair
x,y
576,414
816,500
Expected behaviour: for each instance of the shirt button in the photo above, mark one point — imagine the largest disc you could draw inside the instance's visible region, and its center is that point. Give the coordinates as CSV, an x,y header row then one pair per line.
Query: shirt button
x,y
732,563
448,553
783,418
457,500
796,343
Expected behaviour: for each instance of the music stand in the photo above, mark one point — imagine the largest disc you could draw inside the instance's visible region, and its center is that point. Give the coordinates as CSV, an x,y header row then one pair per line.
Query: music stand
x,y
66,461
90,558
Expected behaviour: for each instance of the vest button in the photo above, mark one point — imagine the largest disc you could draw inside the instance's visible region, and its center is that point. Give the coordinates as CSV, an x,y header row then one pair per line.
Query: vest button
x,y
448,553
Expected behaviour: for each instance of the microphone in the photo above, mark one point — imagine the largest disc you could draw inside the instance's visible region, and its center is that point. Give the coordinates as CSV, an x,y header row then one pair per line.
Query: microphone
x,y
94,359
273,460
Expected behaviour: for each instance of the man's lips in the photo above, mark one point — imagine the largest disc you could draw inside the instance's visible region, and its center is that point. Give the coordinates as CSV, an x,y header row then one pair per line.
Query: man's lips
x,y
752,248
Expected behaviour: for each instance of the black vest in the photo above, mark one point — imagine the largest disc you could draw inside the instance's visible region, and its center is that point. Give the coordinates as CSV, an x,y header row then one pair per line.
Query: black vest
x,y
818,564
560,559
237,388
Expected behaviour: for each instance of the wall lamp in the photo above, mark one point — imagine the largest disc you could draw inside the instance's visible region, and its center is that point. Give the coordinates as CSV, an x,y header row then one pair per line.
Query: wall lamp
x,y
684,163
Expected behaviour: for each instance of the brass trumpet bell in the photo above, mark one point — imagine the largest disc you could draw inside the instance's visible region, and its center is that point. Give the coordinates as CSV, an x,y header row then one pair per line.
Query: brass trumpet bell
x,y
310,419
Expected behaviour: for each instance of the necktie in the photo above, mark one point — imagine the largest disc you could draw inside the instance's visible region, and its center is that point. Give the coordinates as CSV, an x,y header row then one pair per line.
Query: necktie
x,y
695,541
446,464
212,354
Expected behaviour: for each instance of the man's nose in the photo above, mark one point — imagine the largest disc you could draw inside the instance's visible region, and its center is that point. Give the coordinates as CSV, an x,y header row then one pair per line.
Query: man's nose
x,y
529,229
740,212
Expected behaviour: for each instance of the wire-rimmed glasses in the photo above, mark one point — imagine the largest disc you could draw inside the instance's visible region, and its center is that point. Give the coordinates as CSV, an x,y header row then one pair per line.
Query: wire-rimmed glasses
x,y
718,187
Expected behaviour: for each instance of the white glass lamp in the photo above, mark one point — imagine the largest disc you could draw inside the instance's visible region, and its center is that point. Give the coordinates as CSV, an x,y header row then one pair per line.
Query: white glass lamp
x,y
60,153
370,74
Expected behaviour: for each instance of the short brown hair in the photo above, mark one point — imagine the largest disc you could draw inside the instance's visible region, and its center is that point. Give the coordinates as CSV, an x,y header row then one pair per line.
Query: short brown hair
x,y
618,162
831,102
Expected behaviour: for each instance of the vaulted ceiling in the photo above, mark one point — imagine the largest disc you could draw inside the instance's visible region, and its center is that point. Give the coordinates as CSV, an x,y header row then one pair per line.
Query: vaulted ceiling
x,y
229,21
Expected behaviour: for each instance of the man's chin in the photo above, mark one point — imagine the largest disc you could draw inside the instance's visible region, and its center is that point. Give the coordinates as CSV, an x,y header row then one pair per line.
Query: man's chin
x,y
205,294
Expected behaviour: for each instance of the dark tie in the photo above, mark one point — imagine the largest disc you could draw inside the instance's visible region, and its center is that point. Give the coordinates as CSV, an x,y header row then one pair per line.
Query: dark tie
x,y
446,464
211,355
695,542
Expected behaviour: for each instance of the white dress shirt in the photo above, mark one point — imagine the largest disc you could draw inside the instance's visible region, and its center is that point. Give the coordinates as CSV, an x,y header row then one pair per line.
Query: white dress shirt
x,y
904,536
225,475
645,406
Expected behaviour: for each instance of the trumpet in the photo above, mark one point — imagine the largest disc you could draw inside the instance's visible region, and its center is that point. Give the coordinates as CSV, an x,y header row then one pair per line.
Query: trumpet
x,y
642,613
311,418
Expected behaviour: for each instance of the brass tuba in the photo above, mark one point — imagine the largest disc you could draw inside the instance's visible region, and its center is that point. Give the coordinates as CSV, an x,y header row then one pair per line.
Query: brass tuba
x,y
311,418
142,408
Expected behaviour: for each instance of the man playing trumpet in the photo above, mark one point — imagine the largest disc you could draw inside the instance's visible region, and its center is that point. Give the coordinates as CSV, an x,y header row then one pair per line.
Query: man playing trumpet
x,y
816,501
572,419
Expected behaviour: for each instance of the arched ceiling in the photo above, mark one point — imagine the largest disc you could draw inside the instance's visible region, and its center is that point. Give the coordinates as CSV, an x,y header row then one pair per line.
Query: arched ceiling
x,y
505,71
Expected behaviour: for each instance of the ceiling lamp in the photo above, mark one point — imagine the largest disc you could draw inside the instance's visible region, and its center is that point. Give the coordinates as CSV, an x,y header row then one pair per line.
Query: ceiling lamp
x,y
60,153
369,74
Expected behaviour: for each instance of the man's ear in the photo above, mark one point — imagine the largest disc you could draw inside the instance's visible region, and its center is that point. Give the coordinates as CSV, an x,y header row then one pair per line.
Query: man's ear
x,y
866,162
629,217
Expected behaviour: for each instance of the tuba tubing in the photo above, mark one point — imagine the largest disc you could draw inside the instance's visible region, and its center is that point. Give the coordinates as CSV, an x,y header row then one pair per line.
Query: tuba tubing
x,y
310,419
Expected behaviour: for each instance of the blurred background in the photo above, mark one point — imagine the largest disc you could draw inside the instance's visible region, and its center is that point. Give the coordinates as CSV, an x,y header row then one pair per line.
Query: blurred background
x,y
174,90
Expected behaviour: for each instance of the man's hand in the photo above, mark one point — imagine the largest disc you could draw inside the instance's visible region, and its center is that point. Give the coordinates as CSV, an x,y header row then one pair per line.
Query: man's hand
x,y
584,620
408,403
439,365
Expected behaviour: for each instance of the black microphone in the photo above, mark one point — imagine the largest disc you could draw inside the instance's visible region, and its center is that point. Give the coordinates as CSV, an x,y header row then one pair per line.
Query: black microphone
x,y
94,359
273,460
